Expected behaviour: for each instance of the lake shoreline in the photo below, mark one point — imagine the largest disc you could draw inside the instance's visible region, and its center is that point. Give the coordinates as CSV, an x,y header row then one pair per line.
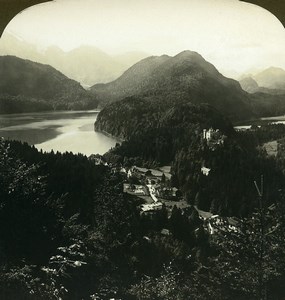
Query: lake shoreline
x,y
120,140
53,112
260,121
64,131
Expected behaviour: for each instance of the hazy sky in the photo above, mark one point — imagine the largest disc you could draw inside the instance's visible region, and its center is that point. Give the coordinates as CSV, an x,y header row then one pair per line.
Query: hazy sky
x,y
228,33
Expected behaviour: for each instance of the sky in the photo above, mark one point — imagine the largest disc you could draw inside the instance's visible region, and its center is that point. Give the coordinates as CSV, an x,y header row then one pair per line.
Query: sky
x,y
233,35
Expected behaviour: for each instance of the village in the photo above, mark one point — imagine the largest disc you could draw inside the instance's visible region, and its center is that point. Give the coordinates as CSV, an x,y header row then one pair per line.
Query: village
x,y
154,187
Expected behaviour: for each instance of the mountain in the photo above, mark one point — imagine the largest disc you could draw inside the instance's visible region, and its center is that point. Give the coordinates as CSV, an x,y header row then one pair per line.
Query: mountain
x,y
272,78
89,65
186,77
249,85
27,82
85,64
267,105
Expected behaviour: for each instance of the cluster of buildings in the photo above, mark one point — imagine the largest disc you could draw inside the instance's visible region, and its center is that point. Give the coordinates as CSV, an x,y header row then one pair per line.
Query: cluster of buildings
x,y
214,223
152,185
151,175
136,189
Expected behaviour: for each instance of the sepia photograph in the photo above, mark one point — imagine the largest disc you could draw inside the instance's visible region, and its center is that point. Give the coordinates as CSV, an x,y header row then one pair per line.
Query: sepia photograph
x,y
142,150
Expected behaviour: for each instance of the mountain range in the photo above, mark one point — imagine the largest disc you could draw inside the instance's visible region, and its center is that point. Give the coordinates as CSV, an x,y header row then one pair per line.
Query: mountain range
x,y
186,77
271,78
269,81
144,94
85,64
163,81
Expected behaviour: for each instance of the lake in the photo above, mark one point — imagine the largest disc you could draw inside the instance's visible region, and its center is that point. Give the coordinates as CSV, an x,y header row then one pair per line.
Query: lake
x,y
272,120
57,131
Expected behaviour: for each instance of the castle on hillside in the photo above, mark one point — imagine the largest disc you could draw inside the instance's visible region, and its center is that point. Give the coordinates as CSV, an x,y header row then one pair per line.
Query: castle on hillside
x,y
213,137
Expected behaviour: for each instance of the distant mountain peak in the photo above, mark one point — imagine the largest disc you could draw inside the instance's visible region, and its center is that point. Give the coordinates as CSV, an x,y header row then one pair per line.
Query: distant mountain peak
x,y
273,69
188,54
249,85
272,77
86,64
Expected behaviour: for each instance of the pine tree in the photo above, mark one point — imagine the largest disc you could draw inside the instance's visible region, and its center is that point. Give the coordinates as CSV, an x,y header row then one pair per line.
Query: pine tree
x,y
251,254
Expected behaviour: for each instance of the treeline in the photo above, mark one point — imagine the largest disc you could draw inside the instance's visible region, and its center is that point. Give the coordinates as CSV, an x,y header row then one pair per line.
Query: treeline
x,y
21,104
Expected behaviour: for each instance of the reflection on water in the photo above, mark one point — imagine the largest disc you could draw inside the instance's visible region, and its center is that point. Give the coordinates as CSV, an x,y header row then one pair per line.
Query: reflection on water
x,y
58,131
32,136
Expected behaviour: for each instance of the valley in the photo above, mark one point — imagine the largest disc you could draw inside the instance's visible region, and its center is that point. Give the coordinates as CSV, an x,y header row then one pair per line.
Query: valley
x,y
140,188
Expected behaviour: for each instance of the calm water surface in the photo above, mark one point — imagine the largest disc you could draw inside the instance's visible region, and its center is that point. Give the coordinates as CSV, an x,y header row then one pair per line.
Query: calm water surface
x,y
58,131
273,120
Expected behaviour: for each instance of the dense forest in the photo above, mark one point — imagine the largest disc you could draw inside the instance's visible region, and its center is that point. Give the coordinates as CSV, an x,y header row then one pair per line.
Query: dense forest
x,y
174,137
69,232
135,116
12,104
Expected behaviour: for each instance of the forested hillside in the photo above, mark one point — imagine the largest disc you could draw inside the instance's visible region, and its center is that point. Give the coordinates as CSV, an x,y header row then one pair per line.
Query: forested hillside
x,y
27,86
184,78
156,135
176,137
189,78
249,85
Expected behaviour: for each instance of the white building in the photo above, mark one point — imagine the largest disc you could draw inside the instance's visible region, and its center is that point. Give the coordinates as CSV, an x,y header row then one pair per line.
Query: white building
x,y
205,171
